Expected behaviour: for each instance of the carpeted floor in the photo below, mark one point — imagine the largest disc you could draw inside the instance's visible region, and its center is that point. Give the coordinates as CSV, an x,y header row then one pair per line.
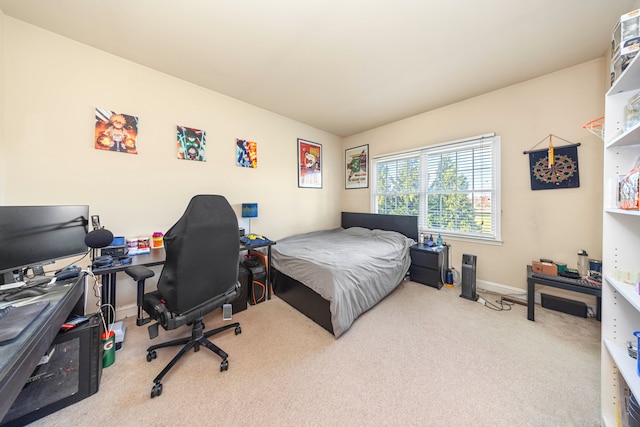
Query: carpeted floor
x,y
421,357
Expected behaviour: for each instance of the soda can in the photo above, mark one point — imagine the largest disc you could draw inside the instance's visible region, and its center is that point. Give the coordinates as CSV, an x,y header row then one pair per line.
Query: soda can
x,y
109,348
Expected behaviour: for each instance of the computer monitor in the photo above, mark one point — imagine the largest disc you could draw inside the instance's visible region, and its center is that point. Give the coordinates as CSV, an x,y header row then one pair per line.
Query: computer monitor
x,y
35,235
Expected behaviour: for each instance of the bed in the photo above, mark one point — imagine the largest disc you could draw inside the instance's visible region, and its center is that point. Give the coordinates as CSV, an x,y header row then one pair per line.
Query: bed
x,y
333,276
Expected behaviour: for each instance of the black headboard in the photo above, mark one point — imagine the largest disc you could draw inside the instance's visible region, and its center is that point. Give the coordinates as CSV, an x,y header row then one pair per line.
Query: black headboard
x,y
405,224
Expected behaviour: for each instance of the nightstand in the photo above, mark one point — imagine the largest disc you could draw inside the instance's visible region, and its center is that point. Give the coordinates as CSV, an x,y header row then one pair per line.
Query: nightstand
x,y
429,265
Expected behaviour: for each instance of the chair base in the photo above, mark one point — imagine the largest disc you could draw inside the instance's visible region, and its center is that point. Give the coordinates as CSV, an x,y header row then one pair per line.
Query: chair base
x,y
197,338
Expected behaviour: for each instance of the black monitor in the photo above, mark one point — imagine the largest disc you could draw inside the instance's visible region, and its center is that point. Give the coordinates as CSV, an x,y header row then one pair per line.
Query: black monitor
x,y
35,235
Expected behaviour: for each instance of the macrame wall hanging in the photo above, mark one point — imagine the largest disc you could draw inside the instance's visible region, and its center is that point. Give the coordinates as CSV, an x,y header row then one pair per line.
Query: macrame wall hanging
x,y
554,167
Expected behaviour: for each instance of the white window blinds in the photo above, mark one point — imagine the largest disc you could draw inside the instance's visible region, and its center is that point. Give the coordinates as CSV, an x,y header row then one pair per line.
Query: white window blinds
x,y
453,188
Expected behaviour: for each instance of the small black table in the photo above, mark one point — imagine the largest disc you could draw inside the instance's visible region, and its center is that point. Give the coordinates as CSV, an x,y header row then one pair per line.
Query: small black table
x,y
531,289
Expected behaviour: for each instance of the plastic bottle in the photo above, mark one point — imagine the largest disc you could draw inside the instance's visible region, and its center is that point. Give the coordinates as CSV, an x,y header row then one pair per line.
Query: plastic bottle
x,y
430,241
439,241
583,263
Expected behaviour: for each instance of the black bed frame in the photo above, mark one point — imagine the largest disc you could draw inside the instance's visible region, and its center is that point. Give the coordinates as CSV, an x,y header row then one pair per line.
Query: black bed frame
x,y
309,302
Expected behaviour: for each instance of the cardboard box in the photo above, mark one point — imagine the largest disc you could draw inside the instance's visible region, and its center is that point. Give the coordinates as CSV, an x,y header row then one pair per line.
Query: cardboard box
x,y
547,268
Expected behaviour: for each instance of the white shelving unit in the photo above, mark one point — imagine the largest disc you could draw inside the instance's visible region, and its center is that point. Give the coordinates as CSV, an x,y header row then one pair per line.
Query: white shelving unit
x,y
620,252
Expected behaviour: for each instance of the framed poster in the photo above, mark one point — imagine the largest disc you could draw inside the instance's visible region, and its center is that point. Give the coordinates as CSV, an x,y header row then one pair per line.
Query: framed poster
x,y
192,143
116,132
309,164
246,153
357,167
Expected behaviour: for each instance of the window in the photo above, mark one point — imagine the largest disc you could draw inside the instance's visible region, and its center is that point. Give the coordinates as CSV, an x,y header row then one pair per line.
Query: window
x,y
453,188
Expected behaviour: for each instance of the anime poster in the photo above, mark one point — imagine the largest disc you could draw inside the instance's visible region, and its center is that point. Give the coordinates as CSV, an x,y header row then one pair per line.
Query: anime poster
x,y
192,144
309,164
246,153
116,132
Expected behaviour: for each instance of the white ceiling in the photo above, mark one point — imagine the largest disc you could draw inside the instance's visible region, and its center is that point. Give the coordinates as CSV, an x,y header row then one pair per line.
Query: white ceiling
x,y
344,66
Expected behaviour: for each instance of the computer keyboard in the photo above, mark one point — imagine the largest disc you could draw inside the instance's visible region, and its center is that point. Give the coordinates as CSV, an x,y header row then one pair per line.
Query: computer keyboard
x,y
16,318
39,280
577,282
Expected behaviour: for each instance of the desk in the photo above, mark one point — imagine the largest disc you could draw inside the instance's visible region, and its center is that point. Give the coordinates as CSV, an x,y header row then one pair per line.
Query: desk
x,y
155,257
19,358
531,289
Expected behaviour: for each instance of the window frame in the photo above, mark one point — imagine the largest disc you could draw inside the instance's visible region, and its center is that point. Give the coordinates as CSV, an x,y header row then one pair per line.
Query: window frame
x,y
423,192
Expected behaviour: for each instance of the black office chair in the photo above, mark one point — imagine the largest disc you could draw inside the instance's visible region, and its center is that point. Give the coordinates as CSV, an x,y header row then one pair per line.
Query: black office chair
x,y
200,274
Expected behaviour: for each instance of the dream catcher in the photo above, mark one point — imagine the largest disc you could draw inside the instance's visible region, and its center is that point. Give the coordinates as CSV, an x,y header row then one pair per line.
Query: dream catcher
x,y
554,167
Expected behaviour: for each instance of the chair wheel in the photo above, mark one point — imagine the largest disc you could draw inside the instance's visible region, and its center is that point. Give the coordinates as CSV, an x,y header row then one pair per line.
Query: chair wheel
x,y
156,390
238,330
150,356
224,365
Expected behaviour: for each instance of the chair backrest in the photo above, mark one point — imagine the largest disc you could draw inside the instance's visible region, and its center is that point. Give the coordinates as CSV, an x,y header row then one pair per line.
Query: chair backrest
x,y
202,251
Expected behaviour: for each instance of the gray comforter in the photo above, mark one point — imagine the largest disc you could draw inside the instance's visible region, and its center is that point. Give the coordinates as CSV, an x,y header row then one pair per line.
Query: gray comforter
x,y
352,268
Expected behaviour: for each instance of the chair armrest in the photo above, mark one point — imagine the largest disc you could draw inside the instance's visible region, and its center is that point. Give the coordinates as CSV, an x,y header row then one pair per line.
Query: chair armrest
x,y
139,272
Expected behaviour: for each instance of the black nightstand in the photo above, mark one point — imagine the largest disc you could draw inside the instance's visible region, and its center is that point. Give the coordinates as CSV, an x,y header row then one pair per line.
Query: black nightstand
x,y
429,265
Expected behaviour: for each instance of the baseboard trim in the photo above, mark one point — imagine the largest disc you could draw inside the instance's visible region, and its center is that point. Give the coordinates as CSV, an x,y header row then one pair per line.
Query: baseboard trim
x,y
499,288
130,310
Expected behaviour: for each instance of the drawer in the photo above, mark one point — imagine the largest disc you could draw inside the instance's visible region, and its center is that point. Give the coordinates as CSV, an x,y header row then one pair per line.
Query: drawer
x,y
426,276
426,259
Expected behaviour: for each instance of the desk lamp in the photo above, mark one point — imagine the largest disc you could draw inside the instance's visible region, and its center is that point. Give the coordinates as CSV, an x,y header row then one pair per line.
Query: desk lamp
x,y
249,210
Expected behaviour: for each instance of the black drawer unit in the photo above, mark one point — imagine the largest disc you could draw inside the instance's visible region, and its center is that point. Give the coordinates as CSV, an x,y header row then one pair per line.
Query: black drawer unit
x,y
429,265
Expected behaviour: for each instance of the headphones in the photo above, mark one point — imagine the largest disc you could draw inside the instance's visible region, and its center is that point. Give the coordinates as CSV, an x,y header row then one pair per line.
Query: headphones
x,y
109,261
103,261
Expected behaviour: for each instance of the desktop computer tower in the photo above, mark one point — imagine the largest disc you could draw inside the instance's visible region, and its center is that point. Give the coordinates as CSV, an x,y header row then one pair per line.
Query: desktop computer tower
x,y
469,277
240,302
71,372
258,287
254,263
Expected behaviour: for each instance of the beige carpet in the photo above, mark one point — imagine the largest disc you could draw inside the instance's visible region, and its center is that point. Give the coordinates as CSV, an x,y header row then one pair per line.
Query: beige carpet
x,y
421,357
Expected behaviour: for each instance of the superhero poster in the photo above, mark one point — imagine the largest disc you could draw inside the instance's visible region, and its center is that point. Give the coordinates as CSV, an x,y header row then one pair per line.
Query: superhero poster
x,y
246,153
192,143
309,164
116,132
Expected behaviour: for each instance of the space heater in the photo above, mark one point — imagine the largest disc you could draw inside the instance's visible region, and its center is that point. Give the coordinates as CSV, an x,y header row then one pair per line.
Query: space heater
x,y
469,277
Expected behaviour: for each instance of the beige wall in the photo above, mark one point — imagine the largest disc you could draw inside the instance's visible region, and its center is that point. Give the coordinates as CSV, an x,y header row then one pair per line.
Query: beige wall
x,y
551,224
51,88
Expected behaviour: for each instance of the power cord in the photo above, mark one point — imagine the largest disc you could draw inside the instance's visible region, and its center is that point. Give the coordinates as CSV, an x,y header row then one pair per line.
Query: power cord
x,y
500,304
97,292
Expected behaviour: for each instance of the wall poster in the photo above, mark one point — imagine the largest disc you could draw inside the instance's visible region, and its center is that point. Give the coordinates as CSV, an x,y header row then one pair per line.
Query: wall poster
x,y
309,164
357,167
192,143
116,132
246,153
